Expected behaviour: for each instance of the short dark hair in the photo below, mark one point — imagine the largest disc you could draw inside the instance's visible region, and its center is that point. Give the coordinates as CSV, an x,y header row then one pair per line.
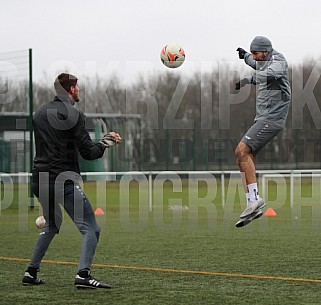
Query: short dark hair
x,y
64,82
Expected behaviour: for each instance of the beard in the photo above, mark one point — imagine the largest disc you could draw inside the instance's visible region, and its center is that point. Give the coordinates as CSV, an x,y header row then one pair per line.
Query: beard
x,y
76,98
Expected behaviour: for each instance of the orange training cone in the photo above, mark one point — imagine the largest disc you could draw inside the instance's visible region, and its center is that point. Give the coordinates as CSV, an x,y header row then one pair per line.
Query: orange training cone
x,y
99,211
269,212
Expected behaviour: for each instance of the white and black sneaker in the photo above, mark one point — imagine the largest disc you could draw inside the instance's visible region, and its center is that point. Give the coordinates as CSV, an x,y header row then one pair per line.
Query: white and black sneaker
x,y
246,220
29,280
252,207
89,282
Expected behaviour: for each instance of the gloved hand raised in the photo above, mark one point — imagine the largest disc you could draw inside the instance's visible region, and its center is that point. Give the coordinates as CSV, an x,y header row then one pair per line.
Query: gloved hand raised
x,y
241,52
110,139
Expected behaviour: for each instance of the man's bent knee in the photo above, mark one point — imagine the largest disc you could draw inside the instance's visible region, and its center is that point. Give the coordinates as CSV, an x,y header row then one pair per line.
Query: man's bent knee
x,y
242,152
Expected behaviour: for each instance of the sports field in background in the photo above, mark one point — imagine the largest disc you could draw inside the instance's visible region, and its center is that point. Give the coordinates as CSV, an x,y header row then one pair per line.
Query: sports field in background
x,y
168,256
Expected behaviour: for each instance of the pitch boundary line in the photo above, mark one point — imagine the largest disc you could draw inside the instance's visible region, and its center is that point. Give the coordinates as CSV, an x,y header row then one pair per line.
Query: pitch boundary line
x,y
169,270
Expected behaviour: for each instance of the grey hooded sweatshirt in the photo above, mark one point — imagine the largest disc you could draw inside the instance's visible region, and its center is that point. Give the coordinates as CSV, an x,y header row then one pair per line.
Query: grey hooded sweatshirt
x,y
271,78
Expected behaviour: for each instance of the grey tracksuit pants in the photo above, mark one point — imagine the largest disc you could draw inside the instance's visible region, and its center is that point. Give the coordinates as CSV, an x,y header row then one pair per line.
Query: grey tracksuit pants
x,y
51,197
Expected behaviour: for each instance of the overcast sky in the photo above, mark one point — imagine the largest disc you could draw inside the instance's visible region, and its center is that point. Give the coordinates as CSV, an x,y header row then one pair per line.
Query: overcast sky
x,y
86,37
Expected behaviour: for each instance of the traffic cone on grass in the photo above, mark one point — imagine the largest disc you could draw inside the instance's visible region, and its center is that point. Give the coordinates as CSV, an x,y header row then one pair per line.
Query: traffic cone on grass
x,y
99,211
269,212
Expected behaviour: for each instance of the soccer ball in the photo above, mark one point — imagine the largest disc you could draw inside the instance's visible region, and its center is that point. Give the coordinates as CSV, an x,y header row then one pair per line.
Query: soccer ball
x,y
40,222
172,55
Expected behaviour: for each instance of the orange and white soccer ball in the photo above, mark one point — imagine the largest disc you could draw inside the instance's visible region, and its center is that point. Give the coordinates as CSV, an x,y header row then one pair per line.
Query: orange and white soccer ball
x,y
40,222
172,55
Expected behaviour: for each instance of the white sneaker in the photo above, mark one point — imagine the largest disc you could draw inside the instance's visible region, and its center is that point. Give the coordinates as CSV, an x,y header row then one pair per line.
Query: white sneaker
x,y
253,207
246,220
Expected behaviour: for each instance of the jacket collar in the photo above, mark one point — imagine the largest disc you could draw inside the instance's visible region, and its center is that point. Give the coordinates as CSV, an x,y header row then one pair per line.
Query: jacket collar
x,y
64,99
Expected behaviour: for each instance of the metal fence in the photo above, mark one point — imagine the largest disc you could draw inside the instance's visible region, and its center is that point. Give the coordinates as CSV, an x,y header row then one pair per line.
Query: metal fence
x,y
288,182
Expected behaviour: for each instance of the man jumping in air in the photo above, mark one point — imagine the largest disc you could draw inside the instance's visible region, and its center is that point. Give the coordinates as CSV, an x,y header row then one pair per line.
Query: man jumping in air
x,y
273,96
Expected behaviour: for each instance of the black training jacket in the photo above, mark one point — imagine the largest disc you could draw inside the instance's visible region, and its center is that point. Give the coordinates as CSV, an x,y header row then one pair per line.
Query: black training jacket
x,y
60,134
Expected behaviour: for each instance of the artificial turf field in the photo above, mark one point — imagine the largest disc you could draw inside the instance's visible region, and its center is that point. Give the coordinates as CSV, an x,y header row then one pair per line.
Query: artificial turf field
x,y
172,256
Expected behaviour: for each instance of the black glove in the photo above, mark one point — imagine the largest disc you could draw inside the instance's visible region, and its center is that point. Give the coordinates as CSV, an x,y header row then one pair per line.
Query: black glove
x,y
241,83
241,52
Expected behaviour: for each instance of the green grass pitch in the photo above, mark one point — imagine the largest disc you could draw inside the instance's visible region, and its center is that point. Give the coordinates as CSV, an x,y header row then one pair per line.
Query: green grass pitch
x,y
172,255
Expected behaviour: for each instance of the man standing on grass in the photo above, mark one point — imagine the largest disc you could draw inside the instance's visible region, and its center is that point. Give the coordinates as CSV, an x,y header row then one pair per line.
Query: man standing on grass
x,y
60,134
273,98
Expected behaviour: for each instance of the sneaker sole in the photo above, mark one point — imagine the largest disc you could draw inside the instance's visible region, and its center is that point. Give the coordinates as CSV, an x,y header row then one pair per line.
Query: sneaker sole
x,y
85,287
91,287
246,220
32,284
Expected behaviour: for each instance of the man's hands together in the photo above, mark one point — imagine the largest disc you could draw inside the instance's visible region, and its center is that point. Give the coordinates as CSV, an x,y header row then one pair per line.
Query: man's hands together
x,y
110,139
